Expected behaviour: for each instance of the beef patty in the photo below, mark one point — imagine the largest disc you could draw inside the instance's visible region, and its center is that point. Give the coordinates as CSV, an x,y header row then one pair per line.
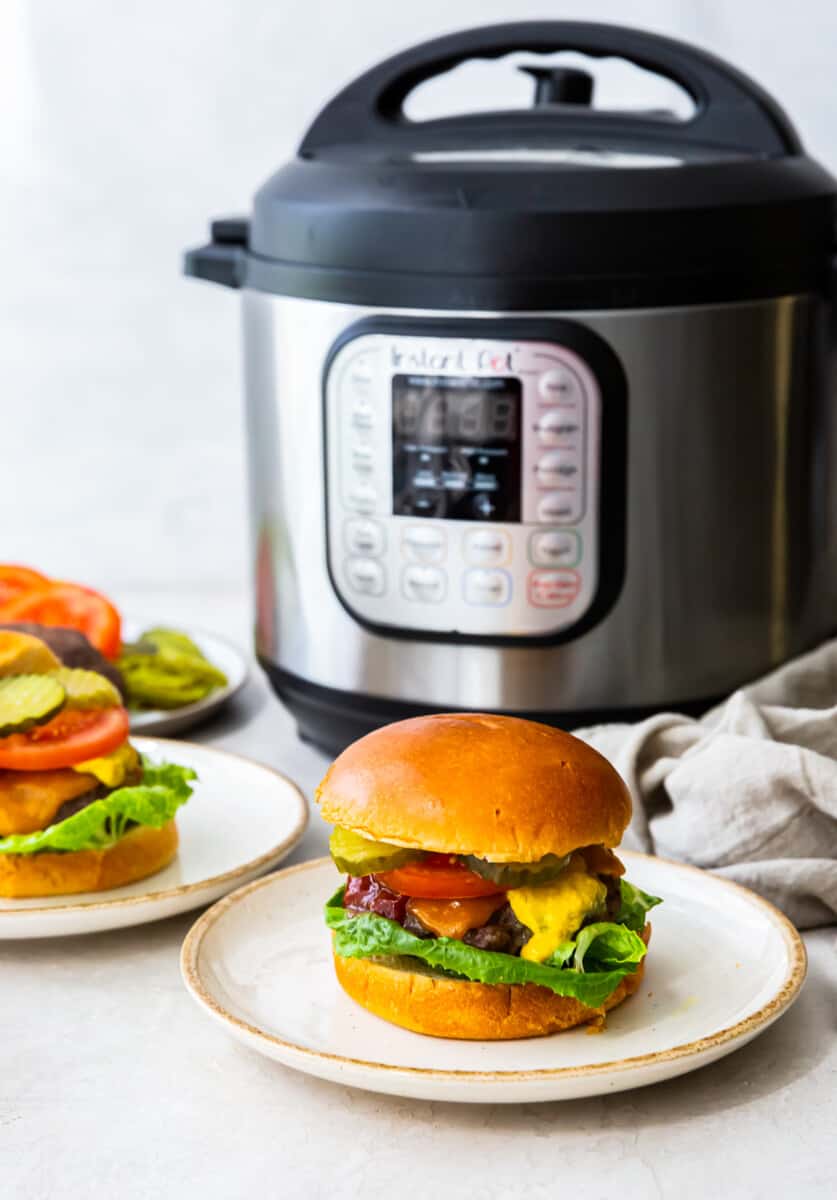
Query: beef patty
x,y
97,792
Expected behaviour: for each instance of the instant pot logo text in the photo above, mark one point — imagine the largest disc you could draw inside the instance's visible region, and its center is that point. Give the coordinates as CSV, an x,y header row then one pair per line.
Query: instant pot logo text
x,y
465,358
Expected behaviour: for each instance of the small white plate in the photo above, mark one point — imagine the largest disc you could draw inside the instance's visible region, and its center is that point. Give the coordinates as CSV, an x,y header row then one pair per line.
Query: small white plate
x,y
241,820
723,965
167,721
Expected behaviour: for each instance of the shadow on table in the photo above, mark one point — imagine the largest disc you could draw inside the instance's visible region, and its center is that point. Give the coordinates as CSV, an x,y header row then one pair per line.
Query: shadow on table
x,y
238,712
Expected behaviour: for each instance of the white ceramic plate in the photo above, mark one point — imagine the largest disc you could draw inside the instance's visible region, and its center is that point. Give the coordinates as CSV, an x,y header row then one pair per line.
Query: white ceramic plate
x,y
723,965
241,820
219,652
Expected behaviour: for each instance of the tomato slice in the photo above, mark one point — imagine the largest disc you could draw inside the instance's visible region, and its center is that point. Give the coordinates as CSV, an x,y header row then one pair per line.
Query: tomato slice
x,y
71,737
438,877
15,580
71,605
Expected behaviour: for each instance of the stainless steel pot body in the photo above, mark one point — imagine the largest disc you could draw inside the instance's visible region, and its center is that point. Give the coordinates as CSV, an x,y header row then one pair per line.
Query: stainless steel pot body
x,y
730,517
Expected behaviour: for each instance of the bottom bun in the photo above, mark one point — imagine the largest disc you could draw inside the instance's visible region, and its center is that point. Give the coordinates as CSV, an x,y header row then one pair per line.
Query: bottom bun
x,y
138,854
424,1002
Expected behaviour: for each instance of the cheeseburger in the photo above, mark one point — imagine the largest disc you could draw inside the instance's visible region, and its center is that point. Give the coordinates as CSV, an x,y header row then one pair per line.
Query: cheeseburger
x,y
80,810
483,898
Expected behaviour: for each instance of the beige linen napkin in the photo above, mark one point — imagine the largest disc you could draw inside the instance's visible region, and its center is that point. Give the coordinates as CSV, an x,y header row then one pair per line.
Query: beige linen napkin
x,y
749,790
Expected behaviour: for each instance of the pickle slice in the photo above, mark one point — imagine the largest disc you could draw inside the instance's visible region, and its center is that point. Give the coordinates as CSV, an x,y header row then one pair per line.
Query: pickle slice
x,y
356,855
86,689
515,875
28,700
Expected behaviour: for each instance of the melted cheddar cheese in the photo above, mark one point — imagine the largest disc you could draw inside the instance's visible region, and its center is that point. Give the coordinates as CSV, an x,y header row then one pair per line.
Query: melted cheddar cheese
x,y
110,769
30,799
453,918
555,911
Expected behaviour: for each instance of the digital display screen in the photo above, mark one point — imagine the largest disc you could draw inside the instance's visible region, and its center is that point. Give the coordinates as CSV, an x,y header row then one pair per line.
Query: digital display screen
x,y
456,447
451,409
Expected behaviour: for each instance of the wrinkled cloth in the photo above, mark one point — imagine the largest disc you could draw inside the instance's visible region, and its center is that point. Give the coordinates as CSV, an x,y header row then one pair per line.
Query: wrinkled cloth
x,y
748,791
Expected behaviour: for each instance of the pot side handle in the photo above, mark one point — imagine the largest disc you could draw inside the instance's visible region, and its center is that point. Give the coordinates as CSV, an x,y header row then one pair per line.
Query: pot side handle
x,y
223,259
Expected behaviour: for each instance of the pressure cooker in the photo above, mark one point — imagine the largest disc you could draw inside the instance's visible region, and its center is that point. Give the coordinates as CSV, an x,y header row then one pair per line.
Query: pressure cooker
x,y
538,402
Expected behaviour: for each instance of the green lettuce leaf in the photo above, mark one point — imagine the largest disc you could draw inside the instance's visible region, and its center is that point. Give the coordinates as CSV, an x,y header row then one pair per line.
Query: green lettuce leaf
x,y
164,788
635,905
606,945
562,954
608,953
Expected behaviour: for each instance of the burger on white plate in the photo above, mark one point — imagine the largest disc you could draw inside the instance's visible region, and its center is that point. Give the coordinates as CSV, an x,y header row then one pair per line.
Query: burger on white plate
x,y
80,809
484,899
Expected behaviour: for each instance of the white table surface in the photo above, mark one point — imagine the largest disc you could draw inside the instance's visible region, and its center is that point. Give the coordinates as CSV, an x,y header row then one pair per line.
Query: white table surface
x,y
113,1084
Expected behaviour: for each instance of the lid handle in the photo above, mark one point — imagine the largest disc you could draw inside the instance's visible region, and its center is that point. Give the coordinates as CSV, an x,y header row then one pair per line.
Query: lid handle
x,y
732,111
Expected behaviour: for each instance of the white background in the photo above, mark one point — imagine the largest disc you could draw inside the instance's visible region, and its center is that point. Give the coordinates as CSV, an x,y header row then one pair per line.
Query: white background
x,y
123,129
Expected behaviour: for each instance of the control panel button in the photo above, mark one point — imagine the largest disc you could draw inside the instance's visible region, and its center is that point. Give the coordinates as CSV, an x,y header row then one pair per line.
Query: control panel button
x,y
363,414
553,589
560,385
425,503
425,584
363,457
362,536
486,587
487,547
425,543
366,576
555,425
362,496
555,507
361,377
555,548
557,468
483,507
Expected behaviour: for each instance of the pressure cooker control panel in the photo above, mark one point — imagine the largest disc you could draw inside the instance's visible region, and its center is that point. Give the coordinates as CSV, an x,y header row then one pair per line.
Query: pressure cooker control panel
x,y
463,483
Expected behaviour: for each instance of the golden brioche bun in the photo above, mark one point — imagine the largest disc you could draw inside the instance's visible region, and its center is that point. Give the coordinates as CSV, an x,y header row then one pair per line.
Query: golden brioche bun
x,y
141,852
502,788
451,1008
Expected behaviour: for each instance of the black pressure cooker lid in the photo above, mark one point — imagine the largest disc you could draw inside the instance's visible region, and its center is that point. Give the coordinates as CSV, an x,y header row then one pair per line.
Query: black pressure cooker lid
x,y
560,205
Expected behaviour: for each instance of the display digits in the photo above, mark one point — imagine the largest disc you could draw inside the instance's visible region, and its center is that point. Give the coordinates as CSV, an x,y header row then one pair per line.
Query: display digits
x,y
407,414
434,425
438,409
502,419
470,424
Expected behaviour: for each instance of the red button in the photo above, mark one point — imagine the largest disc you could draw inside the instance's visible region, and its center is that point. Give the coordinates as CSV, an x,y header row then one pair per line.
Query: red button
x,y
553,589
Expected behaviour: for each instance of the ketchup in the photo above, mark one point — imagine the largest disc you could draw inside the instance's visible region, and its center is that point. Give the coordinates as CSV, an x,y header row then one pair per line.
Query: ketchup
x,y
365,894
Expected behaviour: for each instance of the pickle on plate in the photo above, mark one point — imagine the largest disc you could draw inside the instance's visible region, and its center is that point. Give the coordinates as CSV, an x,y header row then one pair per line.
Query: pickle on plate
x,y
357,855
27,701
516,875
165,669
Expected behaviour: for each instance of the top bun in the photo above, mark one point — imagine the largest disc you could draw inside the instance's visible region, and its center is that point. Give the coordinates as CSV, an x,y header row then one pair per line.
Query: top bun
x,y
502,788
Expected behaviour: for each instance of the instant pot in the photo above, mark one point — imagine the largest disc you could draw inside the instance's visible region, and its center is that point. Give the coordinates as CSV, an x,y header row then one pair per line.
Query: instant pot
x,y
538,404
